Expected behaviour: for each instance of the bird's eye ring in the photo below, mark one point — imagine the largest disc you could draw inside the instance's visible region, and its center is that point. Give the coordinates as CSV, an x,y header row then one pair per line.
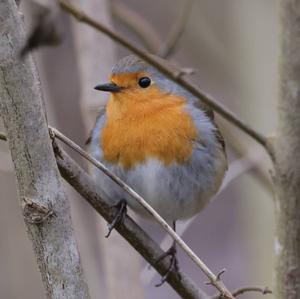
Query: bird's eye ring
x,y
144,82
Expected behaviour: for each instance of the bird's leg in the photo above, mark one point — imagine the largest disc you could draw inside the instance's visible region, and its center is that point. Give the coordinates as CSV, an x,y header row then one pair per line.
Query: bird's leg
x,y
119,217
171,252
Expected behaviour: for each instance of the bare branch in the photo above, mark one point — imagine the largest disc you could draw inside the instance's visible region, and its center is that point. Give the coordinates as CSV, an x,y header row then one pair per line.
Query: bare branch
x,y
263,291
213,279
137,25
171,72
178,29
241,291
139,239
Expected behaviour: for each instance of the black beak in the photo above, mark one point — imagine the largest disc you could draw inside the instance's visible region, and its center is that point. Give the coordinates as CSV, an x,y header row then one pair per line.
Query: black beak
x,y
111,87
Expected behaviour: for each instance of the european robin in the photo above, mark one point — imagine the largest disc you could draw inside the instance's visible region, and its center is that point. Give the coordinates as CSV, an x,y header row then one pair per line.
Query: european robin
x,y
160,140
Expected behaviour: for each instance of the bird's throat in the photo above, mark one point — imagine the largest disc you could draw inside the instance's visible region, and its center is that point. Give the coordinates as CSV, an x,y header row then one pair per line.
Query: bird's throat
x,y
160,129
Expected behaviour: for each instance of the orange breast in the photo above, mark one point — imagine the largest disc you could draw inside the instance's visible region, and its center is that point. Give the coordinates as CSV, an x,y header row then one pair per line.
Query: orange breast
x,y
137,129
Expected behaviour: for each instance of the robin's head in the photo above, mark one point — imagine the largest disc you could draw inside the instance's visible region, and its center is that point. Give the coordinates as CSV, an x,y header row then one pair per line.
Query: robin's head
x,y
134,80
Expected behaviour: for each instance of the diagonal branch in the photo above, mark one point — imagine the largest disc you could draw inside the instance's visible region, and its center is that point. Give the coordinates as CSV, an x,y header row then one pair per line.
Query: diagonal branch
x,y
214,279
139,239
137,25
175,35
173,73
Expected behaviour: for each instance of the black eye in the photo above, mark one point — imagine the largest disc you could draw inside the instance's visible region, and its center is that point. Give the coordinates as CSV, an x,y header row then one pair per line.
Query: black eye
x,y
144,82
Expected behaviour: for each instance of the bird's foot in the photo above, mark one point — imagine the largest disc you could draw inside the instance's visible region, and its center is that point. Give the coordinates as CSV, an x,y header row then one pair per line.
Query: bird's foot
x,y
119,217
171,252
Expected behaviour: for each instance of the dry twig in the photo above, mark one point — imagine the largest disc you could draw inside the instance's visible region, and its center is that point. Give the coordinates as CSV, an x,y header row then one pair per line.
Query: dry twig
x,y
240,291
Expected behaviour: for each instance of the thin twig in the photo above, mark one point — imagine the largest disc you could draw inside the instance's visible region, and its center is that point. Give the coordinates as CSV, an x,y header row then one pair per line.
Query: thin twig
x,y
3,136
137,25
178,29
240,291
173,73
132,232
211,276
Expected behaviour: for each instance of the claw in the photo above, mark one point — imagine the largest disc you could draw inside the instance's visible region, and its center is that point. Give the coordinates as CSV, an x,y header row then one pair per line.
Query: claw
x,y
119,218
173,263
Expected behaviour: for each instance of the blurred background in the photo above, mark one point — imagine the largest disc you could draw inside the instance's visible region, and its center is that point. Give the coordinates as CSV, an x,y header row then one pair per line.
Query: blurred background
x,y
232,46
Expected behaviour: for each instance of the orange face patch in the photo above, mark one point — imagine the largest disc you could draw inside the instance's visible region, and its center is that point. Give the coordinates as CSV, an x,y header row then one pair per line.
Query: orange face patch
x,y
146,123
127,80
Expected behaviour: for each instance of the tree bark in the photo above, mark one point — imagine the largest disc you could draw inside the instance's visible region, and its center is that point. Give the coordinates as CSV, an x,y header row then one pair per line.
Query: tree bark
x,y
44,204
287,156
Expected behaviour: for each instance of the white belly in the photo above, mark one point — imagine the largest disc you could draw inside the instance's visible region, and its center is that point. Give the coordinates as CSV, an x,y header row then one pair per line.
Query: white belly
x,y
175,191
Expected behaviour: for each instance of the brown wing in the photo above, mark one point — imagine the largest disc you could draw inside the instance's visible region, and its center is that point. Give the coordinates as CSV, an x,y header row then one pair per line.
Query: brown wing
x,y
210,113
220,138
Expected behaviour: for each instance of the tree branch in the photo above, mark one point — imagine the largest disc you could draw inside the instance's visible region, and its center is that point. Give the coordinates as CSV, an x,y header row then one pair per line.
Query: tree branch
x,y
177,31
139,239
42,197
137,25
213,279
173,73
240,291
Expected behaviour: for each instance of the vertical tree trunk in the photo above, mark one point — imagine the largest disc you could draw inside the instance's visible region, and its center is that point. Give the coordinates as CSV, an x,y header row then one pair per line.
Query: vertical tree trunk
x,y
287,155
44,203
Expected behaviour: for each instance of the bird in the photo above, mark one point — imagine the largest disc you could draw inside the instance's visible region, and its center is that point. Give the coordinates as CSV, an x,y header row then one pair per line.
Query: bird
x,y
161,141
